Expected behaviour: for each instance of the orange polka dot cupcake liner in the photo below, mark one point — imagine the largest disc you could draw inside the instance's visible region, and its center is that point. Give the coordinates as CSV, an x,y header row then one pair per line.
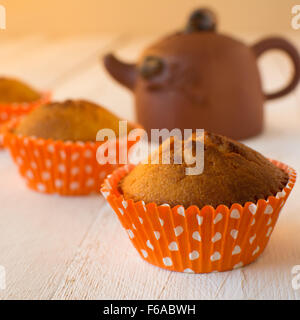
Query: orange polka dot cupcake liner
x,y
10,111
51,166
197,240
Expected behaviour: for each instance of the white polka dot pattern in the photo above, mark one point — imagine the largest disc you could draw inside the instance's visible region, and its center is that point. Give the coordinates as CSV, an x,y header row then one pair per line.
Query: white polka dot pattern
x,y
194,255
75,171
130,234
251,239
178,231
41,187
199,219
188,270
29,174
235,214
157,234
238,265
193,240
218,218
236,250
149,245
268,209
144,253
196,235
65,168
269,232
252,208
61,168
216,237
46,175
167,261
234,233
215,256
255,251
180,211
173,246
58,183
13,111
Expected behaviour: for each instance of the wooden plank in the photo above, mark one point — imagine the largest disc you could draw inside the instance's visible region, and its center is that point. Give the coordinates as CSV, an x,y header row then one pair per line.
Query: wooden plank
x,y
41,233
74,248
271,275
107,267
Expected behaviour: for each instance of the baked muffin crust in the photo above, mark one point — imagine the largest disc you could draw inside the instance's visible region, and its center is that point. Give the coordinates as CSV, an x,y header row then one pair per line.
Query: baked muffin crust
x,y
71,120
233,173
12,90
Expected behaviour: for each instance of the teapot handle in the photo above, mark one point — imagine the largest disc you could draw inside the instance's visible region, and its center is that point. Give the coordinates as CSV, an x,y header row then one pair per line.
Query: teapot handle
x,y
284,45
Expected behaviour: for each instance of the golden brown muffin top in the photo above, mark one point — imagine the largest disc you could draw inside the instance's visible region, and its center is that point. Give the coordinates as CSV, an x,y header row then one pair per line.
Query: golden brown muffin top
x,y
233,173
12,90
71,120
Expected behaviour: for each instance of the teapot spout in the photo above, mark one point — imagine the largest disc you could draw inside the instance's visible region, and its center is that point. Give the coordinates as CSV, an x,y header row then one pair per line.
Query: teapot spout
x,y
124,73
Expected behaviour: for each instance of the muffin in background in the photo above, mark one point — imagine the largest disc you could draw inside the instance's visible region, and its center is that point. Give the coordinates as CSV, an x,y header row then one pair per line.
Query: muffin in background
x,y
71,120
55,146
17,99
15,91
217,221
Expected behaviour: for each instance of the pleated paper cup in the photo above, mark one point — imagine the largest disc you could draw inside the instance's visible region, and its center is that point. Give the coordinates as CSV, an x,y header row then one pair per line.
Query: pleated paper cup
x,y
51,166
10,111
197,240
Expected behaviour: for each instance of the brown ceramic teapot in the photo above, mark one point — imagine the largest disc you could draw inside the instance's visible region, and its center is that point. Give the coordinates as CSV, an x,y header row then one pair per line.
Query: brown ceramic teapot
x,y
198,78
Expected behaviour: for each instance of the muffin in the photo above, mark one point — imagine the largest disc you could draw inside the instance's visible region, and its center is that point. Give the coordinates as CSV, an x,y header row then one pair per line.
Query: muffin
x,y
218,220
12,90
55,146
233,173
71,120
18,98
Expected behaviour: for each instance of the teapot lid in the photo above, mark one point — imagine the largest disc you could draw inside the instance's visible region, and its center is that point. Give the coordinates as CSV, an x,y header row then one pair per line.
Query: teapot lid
x,y
202,19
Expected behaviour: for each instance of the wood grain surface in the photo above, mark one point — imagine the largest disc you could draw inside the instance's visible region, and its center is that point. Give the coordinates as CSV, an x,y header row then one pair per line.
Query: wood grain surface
x,y
74,247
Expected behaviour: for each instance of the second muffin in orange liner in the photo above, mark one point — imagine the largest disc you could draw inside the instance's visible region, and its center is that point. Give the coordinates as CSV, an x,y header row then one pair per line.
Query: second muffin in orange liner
x,y
14,110
197,240
57,166
9,111
17,99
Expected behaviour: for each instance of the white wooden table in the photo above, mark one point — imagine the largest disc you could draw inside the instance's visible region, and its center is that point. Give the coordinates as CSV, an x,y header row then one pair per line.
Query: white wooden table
x,y
74,248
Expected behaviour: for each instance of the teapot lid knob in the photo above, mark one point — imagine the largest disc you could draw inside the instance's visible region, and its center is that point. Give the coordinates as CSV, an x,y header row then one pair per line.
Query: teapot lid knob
x,y
202,19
